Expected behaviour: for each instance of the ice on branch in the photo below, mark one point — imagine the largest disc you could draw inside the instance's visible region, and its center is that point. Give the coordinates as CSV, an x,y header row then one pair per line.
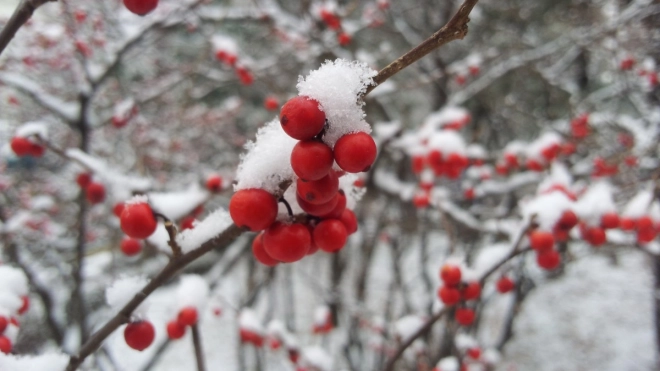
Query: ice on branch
x,y
193,291
123,290
337,86
37,128
122,186
43,362
267,162
316,358
204,231
176,205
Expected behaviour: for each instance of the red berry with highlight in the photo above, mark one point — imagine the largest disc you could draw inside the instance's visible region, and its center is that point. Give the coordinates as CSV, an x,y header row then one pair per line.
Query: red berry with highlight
x,y
338,211
137,220
567,220
355,152
451,274
318,191
541,240
301,118
330,235
311,160
253,208
287,242
141,7
139,335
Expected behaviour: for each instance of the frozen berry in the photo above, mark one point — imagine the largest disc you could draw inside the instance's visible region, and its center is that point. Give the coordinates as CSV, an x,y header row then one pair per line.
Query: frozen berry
x,y
301,118
253,208
83,180
355,152
609,220
318,210
5,345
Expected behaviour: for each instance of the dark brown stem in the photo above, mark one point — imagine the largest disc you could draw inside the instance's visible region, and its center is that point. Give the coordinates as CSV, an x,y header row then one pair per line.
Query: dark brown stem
x,y
197,343
171,269
21,15
455,29
171,232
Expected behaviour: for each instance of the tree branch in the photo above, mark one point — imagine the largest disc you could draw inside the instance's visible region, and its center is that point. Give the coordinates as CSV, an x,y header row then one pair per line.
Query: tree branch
x,y
455,29
197,343
21,15
172,268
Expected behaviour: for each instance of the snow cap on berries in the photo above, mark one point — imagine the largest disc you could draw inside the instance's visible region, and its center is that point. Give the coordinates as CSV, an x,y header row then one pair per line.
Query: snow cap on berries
x,y
548,209
317,358
248,320
595,202
337,86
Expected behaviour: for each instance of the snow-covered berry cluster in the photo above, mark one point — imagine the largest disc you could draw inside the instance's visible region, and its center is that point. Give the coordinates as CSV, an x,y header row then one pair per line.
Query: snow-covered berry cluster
x,y
455,291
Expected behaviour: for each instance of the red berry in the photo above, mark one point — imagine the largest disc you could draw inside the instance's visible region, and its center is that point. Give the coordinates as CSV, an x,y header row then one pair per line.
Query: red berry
x,y
130,246
25,305
609,221
548,259
80,16
505,284
318,210
301,118
175,330
5,345
464,316
214,183
3,324
253,208
644,222
628,224
318,191
421,200
349,220
469,194
271,103
118,209
471,291
330,235
287,242
139,335
187,316
244,76
344,39
568,220
95,193
138,220
83,180
21,146
449,295
311,160
355,152
338,210
646,235
534,165
259,252
141,7
418,163
541,240
188,223
450,274
594,235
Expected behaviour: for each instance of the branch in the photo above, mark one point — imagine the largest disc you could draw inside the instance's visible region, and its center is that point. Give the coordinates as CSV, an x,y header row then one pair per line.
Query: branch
x,y
197,343
171,269
21,15
455,29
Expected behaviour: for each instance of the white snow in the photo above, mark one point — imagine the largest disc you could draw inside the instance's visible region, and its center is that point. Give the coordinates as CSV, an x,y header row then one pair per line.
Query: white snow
x,y
406,326
638,206
316,357
321,315
176,205
224,43
267,162
123,290
448,364
337,87
214,224
248,320
37,128
595,202
43,362
447,141
548,209
193,291
13,280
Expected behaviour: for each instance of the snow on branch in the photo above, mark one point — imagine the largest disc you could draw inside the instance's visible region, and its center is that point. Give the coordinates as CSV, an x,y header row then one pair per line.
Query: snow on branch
x,y
68,111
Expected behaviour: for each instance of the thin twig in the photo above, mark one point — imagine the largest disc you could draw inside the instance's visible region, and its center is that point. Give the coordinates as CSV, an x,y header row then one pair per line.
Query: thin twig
x,y
21,15
197,343
171,232
455,29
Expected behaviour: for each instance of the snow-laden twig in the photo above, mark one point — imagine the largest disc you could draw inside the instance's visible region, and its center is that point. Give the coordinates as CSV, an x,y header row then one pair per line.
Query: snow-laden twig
x,y
21,15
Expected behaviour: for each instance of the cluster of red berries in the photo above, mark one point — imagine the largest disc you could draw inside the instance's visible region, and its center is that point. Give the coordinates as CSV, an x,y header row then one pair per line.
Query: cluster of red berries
x,y
333,22
176,328
450,165
231,59
461,78
139,335
580,126
94,191
318,192
602,168
543,242
5,343
455,291
141,7
644,226
25,147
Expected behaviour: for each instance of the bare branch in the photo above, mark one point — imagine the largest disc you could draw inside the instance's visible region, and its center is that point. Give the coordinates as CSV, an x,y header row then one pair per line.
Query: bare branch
x,y
21,15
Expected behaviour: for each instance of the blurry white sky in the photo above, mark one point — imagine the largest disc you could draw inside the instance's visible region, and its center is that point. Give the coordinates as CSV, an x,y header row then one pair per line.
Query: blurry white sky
x,y
7,7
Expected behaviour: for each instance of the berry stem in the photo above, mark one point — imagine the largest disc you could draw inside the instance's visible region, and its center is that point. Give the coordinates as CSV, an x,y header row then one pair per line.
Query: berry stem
x,y
172,232
288,207
197,343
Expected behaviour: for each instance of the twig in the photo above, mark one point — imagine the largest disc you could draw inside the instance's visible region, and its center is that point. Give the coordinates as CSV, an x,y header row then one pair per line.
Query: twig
x,y
171,232
172,268
21,15
456,28
197,343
